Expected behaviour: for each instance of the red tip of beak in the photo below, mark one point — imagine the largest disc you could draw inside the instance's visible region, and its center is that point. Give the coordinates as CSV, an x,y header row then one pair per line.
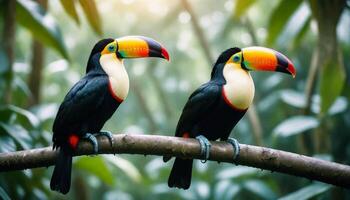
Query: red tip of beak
x,y
165,54
291,69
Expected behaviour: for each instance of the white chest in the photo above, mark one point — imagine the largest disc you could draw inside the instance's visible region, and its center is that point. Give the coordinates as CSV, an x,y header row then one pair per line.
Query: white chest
x,y
118,77
239,88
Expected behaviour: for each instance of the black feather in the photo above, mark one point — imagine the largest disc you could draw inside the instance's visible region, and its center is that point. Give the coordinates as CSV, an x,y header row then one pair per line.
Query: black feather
x,y
85,109
205,113
181,173
61,177
99,46
223,58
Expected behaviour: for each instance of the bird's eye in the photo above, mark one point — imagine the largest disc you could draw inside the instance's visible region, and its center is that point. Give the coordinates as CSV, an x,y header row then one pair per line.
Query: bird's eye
x,y
236,58
111,48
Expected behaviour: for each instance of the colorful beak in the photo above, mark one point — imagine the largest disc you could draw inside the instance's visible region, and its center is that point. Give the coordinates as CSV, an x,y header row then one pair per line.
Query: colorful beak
x,y
265,59
140,47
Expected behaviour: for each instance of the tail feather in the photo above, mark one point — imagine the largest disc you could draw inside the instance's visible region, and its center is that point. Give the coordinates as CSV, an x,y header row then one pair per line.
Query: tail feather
x,y
61,176
181,173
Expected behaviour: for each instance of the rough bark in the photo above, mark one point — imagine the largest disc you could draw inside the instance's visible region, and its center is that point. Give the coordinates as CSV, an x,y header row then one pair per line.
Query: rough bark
x,y
254,156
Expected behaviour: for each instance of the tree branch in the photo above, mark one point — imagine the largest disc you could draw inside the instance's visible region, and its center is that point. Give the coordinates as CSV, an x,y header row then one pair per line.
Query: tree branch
x,y
254,156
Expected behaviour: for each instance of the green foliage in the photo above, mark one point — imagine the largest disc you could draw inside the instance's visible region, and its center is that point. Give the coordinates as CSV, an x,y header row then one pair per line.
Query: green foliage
x,y
69,7
295,125
279,18
18,134
280,101
93,16
99,168
302,32
331,84
90,10
41,24
4,195
259,188
297,100
241,7
125,166
307,192
28,116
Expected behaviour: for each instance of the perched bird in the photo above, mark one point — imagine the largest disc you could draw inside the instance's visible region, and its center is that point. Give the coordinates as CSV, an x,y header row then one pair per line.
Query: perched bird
x,y
215,108
94,99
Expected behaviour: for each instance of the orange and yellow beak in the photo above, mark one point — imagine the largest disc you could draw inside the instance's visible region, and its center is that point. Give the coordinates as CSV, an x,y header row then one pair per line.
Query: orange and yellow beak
x,y
140,47
265,59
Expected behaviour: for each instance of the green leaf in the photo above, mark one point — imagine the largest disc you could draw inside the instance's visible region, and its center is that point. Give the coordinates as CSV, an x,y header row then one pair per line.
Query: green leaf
x,y
339,106
45,111
293,98
297,100
42,25
331,83
237,172
18,134
69,7
259,188
226,190
279,19
32,119
307,192
295,125
127,167
91,12
302,32
241,7
7,144
96,166
4,195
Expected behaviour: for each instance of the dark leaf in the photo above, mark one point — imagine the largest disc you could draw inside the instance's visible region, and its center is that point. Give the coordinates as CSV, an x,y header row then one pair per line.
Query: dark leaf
x,y
42,25
18,133
279,18
4,195
96,166
331,83
126,166
236,172
307,192
241,7
69,7
295,125
91,12
301,33
30,117
259,188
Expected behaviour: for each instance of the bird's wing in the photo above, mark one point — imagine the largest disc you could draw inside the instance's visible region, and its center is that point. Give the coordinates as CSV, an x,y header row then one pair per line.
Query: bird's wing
x,y
198,105
83,100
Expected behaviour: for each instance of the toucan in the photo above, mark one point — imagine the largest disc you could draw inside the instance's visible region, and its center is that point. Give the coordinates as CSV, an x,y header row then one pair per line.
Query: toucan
x,y
94,99
214,109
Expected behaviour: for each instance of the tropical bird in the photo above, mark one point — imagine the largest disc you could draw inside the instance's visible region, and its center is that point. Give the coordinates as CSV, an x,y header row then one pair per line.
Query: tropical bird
x,y
214,109
94,99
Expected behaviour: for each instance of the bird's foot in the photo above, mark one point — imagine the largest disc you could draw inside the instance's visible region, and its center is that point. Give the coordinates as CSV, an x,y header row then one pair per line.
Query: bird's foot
x,y
205,147
92,139
108,134
236,148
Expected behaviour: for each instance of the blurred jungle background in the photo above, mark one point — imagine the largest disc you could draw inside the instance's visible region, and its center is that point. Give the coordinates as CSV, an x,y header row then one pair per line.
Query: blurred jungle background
x,y
44,50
